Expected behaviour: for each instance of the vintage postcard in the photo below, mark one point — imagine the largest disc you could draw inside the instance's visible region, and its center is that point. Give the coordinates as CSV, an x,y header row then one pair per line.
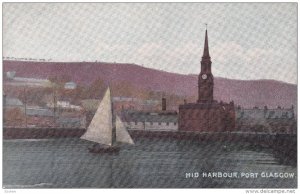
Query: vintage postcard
x,y
150,95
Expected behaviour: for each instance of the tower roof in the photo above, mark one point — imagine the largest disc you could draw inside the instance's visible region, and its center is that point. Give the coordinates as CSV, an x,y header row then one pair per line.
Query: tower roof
x,y
206,50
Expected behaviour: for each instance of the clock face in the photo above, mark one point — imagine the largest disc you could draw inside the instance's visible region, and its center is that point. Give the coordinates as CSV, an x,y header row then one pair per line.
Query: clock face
x,y
204,76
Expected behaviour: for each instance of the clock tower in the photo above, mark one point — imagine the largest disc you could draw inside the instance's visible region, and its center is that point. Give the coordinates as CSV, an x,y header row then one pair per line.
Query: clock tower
x,y
207,114
205,79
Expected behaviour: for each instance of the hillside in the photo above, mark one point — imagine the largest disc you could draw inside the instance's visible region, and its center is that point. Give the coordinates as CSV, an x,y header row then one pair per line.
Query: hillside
x,y
245,93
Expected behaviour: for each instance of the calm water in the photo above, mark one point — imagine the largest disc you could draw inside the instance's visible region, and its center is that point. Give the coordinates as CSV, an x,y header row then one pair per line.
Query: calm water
x,y
57,163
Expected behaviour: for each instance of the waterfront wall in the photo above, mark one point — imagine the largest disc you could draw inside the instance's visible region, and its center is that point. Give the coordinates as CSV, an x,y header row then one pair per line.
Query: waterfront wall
x,y
40,133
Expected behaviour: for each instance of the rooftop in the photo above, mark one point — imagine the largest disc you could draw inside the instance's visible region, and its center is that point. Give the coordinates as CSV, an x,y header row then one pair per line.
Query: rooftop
x,y
39,112
13,102
143,116
264,113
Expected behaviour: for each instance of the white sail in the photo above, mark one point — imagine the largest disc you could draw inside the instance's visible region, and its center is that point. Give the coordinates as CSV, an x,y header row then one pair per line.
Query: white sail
x,y
100,128
122,134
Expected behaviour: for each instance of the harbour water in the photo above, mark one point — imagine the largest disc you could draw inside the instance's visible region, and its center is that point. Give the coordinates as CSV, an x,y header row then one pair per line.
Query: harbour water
x,y
150,163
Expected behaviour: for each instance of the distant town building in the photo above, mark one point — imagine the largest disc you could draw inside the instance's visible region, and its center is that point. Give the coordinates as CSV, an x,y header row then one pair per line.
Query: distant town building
x,y
39,117
10,102
45,117
162,120
131,103
274,120
207,114
150,105
24,81
124,99
71,122
121,103
64,105
150,121
70,85
39,112
10,74
125,103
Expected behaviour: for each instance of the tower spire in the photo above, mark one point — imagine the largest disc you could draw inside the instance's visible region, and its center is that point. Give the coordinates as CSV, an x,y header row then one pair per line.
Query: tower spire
x,y
205,79
206,50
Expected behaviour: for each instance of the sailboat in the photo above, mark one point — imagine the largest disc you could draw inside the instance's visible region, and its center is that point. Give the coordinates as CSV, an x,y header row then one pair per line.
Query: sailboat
x,y
106,129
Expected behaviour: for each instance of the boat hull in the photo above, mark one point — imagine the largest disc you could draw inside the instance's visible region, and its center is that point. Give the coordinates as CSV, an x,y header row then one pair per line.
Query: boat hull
x,y
103,150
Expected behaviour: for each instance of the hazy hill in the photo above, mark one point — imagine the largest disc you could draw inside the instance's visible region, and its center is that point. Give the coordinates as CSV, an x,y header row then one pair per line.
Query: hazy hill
x,y
245,93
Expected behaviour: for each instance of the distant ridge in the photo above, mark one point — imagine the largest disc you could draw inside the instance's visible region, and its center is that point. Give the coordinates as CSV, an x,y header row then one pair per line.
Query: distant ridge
x,y
247,93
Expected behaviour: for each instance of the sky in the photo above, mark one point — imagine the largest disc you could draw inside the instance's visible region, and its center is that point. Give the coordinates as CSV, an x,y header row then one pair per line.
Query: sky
x,y
246,40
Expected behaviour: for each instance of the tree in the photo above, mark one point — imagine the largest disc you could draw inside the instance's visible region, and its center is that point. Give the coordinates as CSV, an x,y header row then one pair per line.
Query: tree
x,y
60,79
96,90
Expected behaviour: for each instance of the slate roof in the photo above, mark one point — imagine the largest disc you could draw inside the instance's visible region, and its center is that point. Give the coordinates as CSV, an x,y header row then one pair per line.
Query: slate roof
x,y
124,99
13,102
39,112
72,85
256,113
214,104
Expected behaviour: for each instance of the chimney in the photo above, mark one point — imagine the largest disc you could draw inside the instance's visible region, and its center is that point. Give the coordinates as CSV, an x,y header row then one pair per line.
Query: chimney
x,y
163,104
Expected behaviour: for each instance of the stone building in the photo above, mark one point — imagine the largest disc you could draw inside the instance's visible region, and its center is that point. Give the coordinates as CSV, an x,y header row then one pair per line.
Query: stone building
x,y
70,85
266,120
150,121
206,114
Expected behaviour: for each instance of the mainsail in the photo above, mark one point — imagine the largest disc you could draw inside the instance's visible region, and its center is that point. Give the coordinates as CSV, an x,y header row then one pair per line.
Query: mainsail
x,y
121,133
100,129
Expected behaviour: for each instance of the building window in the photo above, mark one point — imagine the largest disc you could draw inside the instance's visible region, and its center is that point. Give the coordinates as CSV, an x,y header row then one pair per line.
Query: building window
x,y
135,123
167,123
175,123
159,123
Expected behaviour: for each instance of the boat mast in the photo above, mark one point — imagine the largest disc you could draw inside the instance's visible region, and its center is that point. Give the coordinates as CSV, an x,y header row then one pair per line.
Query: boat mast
x,y
113,139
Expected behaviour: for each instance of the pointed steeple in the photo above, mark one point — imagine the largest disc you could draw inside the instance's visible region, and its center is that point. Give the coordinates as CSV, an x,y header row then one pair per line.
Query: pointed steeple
x,y
206,50
205,78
